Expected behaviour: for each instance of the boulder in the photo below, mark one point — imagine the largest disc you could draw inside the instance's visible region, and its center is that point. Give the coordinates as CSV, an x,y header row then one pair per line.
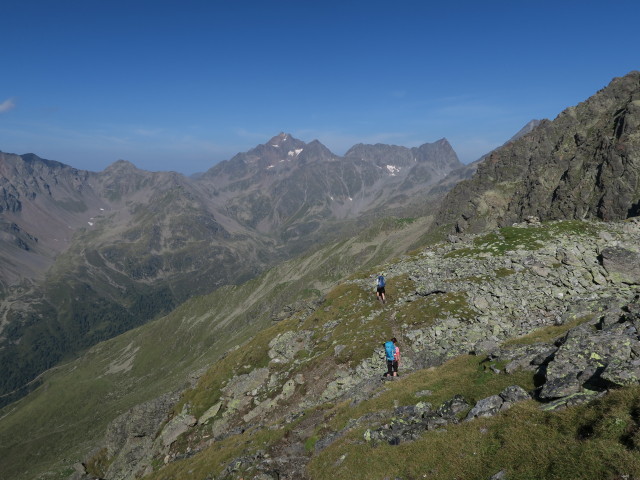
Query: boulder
x,y
514,394
176,427
283,348
622,265
487,407
490,406
582,359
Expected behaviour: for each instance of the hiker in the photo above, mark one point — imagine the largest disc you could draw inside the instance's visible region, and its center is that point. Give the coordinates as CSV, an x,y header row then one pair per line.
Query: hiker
x,y
380,294
392,354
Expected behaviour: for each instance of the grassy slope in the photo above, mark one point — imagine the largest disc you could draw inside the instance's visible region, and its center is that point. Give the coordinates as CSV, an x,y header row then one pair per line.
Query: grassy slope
x,y
65,418
597,440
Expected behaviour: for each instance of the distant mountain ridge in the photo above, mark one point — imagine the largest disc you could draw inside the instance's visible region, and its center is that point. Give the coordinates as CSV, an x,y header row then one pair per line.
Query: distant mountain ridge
x,y
289,188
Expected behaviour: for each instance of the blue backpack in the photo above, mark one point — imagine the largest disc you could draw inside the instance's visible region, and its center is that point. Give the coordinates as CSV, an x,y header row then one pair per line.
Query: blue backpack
x,y
380,281
390,350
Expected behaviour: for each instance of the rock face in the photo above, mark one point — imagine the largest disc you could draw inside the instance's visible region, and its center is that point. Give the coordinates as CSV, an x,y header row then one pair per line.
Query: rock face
x,y
130,437
583,164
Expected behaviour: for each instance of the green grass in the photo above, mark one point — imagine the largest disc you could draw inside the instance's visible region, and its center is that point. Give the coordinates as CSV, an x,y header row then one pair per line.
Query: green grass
x,y
547,334
597,440
65,418
522,238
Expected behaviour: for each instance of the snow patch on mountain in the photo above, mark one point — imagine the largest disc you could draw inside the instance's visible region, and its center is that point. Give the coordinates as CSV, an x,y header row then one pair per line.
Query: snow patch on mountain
x,y
393,170
295,153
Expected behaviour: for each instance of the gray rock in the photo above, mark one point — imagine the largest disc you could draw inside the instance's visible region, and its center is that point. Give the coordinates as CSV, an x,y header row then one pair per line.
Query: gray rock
x,y
240,385
487,407
514,394
622,265
176,427
410,422
581,360
130,437
622,373
485,347
210,413
142,420
283,348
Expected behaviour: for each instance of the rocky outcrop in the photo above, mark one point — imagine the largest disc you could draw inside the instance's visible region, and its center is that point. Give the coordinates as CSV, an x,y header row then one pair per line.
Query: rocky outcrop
x,y
411,421
583,164
130,438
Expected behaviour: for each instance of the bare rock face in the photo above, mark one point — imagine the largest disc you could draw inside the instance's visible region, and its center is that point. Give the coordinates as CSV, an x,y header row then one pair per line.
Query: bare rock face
x,y
583,164
130,437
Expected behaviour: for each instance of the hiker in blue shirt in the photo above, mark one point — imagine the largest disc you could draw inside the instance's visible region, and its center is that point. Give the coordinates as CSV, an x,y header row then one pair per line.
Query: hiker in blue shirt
x,y
392,354
380,284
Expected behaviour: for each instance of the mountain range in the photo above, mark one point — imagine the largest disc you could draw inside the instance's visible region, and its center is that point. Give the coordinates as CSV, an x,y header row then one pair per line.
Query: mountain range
x,y
513,289
87,255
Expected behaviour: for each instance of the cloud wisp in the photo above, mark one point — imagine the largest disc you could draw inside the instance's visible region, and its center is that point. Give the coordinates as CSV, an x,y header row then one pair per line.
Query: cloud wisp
x,y
8,104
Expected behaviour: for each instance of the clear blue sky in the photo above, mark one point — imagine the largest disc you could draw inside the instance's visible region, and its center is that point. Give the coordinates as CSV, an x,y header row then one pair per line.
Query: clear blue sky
x,y
181,85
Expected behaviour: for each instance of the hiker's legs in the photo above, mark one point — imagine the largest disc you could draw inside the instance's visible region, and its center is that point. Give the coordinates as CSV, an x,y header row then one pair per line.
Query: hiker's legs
x,y
389,368
380,293
395,368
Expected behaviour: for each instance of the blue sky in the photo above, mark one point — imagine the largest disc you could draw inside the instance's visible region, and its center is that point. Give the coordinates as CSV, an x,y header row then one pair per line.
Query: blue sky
x,y
181,85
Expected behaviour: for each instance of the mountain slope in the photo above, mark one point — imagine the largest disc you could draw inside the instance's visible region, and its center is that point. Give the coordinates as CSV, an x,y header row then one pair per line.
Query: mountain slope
x,y
528,318
113,250
75,402
583,164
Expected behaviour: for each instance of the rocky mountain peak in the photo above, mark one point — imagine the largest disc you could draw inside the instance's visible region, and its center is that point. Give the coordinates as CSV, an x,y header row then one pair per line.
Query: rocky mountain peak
x,y
316,150
280,139
529,127
570,167
122,166
284,143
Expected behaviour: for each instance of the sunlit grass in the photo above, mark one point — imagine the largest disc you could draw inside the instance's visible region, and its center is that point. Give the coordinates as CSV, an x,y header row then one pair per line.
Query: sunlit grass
x,y
593,441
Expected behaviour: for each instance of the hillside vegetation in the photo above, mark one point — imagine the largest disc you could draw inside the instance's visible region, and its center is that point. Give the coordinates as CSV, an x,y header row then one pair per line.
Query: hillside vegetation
x,y
65,417
500,334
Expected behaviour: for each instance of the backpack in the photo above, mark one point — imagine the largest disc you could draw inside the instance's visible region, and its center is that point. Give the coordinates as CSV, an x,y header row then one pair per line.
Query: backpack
x,y
390,350
381,281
